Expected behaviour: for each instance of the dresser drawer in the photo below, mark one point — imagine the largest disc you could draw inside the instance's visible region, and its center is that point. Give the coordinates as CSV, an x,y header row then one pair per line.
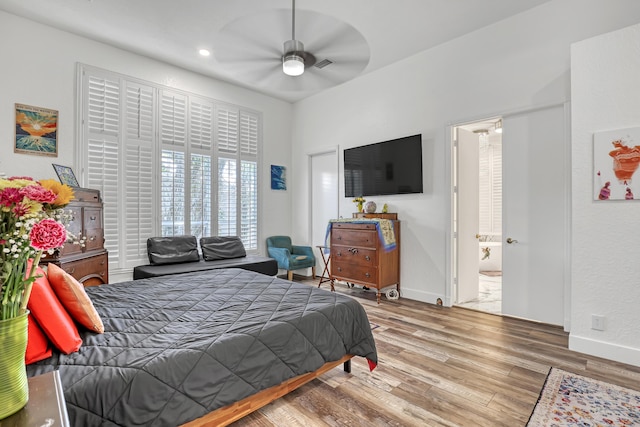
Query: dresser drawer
x,y
353,272
89,269
355,255
92,218
363,238
95,239
86,195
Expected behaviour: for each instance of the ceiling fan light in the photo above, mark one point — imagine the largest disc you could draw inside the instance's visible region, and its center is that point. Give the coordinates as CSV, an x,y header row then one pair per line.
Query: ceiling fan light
x,y
293,65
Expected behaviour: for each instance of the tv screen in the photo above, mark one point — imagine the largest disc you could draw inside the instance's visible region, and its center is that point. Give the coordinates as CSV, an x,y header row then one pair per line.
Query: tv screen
x,y
390,167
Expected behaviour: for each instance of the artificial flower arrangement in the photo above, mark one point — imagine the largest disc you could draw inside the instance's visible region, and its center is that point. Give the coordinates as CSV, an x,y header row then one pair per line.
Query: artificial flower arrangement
x,y
33,225
359,202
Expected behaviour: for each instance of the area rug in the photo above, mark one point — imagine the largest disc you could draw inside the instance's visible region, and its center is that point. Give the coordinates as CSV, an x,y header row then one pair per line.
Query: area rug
x,y
569,399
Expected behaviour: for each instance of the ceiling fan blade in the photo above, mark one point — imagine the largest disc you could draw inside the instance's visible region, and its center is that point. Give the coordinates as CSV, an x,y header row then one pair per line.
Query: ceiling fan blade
x,y
251,48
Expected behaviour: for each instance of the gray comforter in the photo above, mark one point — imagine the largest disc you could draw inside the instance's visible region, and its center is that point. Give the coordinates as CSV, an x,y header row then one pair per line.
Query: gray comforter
x,y
177,347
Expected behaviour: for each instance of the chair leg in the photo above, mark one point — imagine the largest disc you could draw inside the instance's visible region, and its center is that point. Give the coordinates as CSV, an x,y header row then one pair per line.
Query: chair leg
x,y
313,272
290,275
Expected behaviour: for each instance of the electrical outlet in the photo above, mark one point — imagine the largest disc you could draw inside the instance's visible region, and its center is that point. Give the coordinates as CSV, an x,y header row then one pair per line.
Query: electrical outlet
x,y
597,322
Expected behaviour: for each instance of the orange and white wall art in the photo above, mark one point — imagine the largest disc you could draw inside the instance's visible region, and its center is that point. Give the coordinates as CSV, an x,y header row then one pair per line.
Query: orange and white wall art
x,y
616,156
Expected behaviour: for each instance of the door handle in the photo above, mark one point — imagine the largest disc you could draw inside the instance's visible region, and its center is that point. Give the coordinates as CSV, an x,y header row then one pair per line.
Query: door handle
x,y
510,240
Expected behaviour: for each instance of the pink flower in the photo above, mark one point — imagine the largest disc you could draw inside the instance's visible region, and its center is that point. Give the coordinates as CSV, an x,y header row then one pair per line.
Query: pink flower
x,y
38,193
20,209
24,178
10,196
47,234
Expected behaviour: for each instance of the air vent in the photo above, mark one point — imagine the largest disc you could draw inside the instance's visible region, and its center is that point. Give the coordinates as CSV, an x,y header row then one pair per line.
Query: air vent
x,y
323,63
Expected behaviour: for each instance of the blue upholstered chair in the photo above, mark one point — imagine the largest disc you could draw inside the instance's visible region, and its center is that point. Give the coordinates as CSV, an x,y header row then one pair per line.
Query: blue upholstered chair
x,y
291,257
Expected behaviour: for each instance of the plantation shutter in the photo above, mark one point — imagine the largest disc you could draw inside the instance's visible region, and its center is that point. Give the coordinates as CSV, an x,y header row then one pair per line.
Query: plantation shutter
x,y
173,117
227,143
138,183
249,134
101,130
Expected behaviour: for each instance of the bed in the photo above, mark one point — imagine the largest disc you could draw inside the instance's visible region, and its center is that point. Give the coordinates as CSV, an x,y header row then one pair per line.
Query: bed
x,y
187,348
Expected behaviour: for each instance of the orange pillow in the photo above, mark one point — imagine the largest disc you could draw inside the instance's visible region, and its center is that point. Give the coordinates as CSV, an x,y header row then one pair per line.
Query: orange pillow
x,y
52,317
38,346
74,298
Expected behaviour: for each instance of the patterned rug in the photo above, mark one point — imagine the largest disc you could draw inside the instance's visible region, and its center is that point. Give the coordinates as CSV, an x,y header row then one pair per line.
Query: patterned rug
x,y
573,400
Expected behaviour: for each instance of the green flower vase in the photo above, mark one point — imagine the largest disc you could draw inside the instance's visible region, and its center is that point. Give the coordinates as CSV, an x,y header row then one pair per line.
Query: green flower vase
x,y
14,389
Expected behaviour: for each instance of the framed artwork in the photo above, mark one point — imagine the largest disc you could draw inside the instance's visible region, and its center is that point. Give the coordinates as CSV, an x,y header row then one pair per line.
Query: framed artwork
x,y
278,177
36,131
616,156
66,175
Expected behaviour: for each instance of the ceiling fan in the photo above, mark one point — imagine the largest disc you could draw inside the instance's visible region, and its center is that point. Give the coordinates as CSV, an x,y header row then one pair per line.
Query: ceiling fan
x,y
295,59
251,50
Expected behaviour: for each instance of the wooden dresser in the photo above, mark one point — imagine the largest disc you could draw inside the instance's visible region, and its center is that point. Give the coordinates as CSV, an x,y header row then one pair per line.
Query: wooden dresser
x,y
358,255
89,264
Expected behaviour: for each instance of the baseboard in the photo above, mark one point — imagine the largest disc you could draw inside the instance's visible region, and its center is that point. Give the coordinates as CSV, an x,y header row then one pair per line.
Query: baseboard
x,y
605,350
421,296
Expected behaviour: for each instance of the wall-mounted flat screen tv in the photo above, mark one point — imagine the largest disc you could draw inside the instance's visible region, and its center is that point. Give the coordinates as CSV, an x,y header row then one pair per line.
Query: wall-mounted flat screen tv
x,y
389,167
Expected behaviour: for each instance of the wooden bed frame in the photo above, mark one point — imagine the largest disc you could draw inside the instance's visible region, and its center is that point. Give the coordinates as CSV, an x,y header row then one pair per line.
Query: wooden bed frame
x,y
233,412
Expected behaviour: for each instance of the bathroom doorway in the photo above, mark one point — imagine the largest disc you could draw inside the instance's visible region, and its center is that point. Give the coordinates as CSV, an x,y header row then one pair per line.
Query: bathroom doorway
x,y
478,215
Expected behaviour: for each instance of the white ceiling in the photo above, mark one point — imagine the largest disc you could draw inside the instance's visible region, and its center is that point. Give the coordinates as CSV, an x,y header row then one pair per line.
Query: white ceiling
x,y
246,36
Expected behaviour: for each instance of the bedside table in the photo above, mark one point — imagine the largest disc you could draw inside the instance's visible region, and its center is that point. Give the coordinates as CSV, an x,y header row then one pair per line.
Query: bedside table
x,y
46,406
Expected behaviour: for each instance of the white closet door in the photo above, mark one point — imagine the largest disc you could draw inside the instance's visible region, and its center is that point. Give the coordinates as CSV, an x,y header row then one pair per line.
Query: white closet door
x,y
535,215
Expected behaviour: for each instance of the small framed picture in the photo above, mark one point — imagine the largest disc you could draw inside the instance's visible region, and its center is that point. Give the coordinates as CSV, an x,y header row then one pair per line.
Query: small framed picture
x,y
278,177
66,175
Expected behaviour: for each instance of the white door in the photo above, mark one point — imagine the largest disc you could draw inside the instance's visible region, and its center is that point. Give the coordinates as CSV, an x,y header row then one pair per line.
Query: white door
x,y
324,194
535,206
468,218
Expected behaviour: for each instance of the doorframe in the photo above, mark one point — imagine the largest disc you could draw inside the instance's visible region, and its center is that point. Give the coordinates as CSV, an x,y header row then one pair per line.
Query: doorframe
x,y
449,180
332,149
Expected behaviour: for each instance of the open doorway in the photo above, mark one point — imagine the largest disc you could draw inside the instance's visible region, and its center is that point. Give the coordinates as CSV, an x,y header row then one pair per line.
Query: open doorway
x,y
478,215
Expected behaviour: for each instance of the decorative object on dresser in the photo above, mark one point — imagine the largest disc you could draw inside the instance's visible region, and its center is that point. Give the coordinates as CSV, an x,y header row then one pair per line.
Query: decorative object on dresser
x,y
370,207
88,263
366,250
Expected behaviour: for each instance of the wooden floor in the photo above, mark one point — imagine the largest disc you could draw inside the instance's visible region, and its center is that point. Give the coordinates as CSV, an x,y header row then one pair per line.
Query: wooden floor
x,y
439,367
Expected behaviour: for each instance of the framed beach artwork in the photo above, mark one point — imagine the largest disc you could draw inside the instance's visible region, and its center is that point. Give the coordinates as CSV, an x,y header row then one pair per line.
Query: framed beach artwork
x,y
278,177
616,156
36,131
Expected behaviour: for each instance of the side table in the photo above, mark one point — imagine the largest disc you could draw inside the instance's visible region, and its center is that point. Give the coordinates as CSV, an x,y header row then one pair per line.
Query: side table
x,y
326,258
46,406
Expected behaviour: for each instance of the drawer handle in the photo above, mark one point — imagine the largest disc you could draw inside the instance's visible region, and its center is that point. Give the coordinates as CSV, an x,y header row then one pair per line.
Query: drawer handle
x,y
367,258
339,253
92,238
339,268
367,275
102,274
92,218
339,237
102,263
73,270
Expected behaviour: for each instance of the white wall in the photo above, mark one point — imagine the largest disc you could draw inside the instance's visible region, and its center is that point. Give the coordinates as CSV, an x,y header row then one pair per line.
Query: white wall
x,y
606,235
515,64
38,68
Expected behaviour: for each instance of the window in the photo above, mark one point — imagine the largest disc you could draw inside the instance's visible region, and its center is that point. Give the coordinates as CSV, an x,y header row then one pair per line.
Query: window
x,y
167,163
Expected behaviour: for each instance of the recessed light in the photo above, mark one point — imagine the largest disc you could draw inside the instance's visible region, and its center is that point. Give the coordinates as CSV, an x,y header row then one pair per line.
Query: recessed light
x,y
204,52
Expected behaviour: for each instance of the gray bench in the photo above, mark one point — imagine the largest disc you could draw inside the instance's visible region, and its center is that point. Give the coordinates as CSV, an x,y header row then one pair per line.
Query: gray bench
x,y
179,254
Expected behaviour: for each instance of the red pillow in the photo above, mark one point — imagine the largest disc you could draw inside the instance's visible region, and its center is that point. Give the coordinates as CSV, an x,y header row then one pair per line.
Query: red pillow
x,y
38,346
52,317
74,298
